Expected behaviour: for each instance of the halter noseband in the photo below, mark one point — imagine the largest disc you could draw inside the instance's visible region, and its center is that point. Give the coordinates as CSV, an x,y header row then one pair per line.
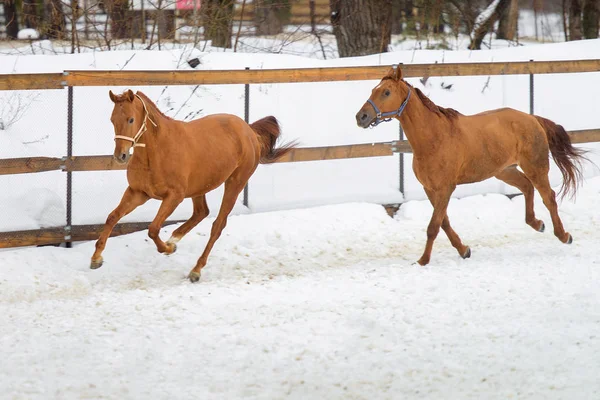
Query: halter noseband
x,y
142,129
387,116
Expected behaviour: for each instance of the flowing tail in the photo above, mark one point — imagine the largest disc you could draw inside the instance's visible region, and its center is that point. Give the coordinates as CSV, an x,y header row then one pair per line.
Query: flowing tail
x,y
567,157
268,131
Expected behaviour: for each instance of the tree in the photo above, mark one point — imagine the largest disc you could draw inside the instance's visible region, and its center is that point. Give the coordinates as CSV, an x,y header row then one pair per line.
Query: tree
x,y
507,28
591,17
485,22
217,18
271,15
575,20
54,19
32,13
361,27
11,18
120,24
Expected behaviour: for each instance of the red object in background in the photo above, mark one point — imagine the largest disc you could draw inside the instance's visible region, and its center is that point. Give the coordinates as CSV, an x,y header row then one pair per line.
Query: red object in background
x,y
187,4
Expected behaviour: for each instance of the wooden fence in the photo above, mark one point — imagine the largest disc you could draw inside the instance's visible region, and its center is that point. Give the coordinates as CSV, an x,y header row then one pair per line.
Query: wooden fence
x,y
71,163
241,76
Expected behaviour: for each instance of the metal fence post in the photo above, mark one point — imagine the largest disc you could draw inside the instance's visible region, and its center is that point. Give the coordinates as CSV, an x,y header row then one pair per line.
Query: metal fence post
x,y
69,173
531,93
401,164
247,119
401,157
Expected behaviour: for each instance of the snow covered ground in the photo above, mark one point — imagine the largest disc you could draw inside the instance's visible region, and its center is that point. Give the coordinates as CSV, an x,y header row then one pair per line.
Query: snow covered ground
x,y
315,303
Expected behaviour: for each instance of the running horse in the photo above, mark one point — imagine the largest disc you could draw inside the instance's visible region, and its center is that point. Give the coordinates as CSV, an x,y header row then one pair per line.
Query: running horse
x,y
174,160
451,149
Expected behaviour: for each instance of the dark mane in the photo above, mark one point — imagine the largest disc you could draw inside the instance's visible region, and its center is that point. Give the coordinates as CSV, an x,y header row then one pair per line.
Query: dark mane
x,y
152,108
450,113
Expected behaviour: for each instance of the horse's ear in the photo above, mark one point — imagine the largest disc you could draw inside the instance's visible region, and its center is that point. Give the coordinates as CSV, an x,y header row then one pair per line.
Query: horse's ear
x,y
397,72
130,95
112,96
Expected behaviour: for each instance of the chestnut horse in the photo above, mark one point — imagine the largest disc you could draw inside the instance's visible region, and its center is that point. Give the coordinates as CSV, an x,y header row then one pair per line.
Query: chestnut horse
x,y
174,160
451,149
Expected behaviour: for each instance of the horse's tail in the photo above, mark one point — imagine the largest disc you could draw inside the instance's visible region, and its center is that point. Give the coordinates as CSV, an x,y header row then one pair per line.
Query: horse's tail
x,y
268,131
567,157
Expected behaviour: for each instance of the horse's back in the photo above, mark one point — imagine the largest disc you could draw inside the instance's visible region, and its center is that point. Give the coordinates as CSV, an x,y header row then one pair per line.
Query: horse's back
x,y
504,121
222,137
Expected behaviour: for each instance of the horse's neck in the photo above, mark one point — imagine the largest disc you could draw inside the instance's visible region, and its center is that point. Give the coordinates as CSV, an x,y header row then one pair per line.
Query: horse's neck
x,y
421,125
155,141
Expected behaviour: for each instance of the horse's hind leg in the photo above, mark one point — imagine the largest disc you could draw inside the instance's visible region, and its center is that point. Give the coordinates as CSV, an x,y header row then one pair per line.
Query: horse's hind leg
x,y
200,212
130,201
233,187
463,251
539,177
512,176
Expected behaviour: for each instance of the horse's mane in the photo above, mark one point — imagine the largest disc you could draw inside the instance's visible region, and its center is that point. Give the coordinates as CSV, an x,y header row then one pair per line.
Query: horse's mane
x,y
449,113
152,108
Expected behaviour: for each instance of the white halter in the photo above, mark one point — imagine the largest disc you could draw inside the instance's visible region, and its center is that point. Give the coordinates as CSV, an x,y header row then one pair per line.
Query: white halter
x,y
142,129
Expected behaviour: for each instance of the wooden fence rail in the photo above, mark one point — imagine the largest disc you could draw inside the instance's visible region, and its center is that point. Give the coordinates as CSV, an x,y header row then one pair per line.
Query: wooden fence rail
x,y
77,233
106,162
330,74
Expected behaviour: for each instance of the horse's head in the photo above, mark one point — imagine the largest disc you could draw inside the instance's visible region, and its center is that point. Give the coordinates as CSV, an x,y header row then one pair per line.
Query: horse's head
x,y
387,100
128,119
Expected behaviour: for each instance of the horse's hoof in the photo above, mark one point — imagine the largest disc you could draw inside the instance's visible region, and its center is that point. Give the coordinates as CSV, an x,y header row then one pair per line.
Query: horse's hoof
x,y
542,228
172,248
194,276
570,239
96,264
466,254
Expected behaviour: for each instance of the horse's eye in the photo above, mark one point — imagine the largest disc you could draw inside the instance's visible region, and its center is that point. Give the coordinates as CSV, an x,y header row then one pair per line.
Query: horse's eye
x,y
386,93
131,120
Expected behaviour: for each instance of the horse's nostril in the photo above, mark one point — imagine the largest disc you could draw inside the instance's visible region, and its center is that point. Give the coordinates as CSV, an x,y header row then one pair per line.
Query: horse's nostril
x,y
123,157
363,117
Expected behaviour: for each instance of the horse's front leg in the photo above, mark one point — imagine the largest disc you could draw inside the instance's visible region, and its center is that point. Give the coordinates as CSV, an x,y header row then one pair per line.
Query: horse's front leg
x,y
463,251
439,199
130,201
169,204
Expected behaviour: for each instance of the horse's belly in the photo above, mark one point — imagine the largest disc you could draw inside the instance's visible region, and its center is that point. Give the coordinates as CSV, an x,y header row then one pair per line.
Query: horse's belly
x,y
477,172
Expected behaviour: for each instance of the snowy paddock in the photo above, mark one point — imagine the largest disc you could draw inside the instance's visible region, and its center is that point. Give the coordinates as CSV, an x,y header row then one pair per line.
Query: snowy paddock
x,y
309,302
320,302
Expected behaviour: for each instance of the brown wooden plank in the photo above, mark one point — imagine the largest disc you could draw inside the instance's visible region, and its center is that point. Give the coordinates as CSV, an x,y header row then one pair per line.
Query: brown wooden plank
x,y
225,77
585,136
93,163
31,237
31,81
92,232
107,163
338,152
48,236
11,166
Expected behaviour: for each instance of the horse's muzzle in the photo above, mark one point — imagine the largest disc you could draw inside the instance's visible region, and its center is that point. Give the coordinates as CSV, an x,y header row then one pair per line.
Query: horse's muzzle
x,y
121,158
363,119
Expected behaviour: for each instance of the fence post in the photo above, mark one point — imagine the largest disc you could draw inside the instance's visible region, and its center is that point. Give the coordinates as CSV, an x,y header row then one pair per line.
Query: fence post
x,y
69,173
401,164
247,119
401,158
531,93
